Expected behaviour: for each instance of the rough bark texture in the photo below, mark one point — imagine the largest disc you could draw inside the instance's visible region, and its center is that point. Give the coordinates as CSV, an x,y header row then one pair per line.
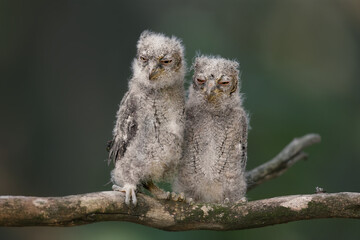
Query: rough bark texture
x,y
16,211
174,216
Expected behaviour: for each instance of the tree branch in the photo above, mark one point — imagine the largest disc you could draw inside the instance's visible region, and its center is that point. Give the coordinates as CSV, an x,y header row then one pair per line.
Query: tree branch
x,y
174,216
291,154
179,216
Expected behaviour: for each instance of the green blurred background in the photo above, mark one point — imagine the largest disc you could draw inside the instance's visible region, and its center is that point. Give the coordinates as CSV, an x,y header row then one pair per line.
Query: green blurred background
x,y
64,67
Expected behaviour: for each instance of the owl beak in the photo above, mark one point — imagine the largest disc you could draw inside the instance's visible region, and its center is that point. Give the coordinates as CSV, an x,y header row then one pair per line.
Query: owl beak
x,y
155,72
210,89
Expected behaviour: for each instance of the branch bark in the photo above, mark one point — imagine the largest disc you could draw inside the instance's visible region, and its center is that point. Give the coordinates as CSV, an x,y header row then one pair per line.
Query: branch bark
x,y
290,155
174,216
178,216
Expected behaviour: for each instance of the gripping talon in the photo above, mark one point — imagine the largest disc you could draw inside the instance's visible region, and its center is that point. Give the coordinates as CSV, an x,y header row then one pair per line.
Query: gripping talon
x,y
189,201
168,195
242,200
127,197
178,197
133,196
173,196
157,192
130,192
181,197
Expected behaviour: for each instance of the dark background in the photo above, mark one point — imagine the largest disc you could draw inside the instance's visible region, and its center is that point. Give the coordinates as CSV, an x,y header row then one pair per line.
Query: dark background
x,y
64,67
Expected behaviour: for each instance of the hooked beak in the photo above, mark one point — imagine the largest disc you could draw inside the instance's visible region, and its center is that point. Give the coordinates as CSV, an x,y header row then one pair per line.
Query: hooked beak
x,y
210,90
155,72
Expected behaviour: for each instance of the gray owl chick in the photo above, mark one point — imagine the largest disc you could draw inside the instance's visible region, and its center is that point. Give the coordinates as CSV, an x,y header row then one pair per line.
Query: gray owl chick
x,y
148,134
212,168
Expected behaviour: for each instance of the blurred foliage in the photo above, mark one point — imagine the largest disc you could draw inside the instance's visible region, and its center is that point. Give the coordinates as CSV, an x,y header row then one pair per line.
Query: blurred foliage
x,y
64,67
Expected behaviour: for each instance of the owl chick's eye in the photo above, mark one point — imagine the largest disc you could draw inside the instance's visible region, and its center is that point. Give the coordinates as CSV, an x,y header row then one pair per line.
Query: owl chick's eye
x,y
166,61
200,81
224,83
142,58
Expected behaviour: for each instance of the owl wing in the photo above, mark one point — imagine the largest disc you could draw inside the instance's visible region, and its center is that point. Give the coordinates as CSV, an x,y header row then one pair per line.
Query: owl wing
x,y
243,138
125,128
234,137
191,143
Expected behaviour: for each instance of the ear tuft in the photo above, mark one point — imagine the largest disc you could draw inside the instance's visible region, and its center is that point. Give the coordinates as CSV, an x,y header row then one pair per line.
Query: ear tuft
x,y
235,64
195,64
234,67
145,34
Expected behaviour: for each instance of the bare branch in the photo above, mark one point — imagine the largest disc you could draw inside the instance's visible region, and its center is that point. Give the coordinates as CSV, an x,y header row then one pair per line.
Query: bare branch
x,y
179,216
174,216
291,154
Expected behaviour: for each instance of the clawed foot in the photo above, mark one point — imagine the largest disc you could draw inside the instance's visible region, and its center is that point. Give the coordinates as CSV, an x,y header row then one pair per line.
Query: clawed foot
x,y
161,195
130,192
180,197
241,200
177,197
157,192
189,201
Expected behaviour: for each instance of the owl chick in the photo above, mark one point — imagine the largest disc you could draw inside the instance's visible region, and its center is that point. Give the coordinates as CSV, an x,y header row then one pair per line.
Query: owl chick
x,y
148,134
212,168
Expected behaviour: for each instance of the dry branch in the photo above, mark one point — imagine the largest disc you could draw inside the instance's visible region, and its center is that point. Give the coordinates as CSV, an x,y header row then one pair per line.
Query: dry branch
x,y
174,216
291,154
16,211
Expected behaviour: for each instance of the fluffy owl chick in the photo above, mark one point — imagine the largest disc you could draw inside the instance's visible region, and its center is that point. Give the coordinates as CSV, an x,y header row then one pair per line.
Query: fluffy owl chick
x,y
148,134
212,168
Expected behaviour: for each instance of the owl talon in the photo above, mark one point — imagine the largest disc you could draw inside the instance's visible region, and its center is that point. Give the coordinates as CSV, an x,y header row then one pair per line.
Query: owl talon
x,y
242,200
178,197
130,192
189,201
173,196
157,192
163,195
133,197
168,194
181,197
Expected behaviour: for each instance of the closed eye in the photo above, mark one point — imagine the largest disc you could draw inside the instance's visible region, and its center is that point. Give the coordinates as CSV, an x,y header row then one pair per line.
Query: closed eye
x,y
224,83
166,61
142,58
200,81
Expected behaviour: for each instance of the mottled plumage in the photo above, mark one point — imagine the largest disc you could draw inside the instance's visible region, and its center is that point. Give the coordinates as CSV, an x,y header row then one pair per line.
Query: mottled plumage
x,y
213,164
148,134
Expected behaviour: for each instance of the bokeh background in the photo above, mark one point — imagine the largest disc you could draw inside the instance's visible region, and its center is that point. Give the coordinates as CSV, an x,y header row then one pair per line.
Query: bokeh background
x,y
64,67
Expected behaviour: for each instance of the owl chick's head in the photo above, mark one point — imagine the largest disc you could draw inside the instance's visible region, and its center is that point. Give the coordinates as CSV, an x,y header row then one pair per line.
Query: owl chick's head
x,y
216,79
159,61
